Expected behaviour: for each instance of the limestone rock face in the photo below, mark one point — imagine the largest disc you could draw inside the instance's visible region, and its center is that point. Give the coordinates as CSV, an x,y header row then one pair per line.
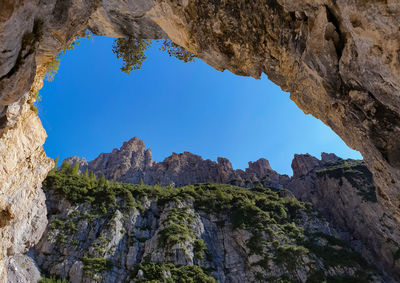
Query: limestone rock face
x,y
23,166
133,162
344,192
182,232
130,157
338,59
302,164
22,268
329,157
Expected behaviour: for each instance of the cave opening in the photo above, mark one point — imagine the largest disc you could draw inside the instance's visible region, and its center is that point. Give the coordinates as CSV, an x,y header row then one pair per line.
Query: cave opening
x,y
92,107
334,69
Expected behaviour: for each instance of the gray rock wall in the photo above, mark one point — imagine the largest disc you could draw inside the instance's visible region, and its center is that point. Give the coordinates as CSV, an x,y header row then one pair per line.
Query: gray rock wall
x,y
342,190
126,238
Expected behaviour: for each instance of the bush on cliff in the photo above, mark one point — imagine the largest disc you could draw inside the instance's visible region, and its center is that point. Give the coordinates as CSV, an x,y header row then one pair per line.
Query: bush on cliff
x,y
275,223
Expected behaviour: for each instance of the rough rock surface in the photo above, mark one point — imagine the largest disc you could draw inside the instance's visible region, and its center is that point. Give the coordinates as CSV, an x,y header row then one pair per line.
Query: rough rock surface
x,y
22,202
342,190
21,269
133,162
338,59
167,230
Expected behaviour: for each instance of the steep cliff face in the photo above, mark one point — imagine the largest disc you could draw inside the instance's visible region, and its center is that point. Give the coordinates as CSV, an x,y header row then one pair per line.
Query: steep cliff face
x,y
342,190
338,59
22,202
203,232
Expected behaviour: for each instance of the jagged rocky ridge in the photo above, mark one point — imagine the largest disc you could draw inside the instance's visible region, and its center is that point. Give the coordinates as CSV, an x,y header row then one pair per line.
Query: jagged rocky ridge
x,y
342,190
114,232
133,162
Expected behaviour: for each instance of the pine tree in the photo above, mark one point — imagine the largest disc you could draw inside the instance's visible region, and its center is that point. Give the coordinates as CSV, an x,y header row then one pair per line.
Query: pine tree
x,y
75,169
141,181
102,180
86,174
92,176
65,167
56,162
54,169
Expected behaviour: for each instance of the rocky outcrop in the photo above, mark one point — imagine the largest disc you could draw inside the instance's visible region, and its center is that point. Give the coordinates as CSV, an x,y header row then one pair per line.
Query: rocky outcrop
x,y
302,164
338,59
133,162
22,268
214,228
344,192
23,166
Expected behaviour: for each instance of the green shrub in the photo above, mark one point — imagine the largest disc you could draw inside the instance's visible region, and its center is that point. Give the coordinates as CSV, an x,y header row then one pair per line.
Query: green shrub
x,y
96,265
52,279
131,51
199,247
52,69
176,228
61,238
75,169
177,51
153,272
59,224
65,167
289,255
71,227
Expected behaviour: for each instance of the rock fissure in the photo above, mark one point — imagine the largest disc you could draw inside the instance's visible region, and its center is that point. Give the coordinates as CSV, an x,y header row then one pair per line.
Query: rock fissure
x,y
5,217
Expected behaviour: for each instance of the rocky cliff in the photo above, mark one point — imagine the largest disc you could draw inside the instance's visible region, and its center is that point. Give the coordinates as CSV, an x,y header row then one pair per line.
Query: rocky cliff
x,y
114,232
338,59
22,208
341,190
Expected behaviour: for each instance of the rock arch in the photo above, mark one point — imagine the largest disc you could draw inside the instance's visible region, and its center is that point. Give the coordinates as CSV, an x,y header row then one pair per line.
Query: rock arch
x,y
340,60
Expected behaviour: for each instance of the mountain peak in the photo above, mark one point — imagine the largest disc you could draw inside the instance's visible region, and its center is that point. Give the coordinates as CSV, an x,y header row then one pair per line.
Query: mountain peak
x,y
133,162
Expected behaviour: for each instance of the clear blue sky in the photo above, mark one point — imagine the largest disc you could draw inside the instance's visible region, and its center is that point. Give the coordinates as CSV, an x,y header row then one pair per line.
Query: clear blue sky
x,y
92,107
